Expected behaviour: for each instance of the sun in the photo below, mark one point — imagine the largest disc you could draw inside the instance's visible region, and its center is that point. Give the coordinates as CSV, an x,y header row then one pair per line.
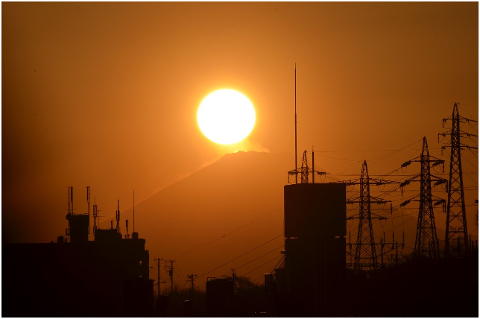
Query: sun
x,y
226,116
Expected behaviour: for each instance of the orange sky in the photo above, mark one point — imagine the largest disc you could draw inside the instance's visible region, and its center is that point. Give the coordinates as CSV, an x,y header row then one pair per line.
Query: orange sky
x,y
105,94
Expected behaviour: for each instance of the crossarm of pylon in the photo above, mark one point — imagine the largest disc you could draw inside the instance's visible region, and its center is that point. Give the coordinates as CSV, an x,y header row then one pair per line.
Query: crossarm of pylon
x,y
351,182
371,202
293,172
353,200
379,200
379,217
356,216
378,182
462,119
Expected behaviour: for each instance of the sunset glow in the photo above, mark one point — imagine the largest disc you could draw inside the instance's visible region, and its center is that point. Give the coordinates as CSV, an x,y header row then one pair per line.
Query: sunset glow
x,y
272,153
226,116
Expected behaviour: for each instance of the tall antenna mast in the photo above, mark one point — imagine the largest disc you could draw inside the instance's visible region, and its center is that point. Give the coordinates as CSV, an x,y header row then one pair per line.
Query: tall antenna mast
x,y
313,166
88,200
95,215
118,216
70,199
296,122
88,209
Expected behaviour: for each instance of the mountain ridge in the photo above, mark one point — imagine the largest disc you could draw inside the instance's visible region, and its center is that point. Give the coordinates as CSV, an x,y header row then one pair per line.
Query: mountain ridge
x,y
238,199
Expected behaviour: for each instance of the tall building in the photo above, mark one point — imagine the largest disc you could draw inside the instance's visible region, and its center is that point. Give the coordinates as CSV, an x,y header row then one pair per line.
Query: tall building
x,y
311,281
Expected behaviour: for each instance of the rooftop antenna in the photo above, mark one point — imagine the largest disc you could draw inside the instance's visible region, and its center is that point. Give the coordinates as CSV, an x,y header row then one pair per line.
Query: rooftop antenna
x,y
88,200
70,199
295,171
88,209
117,216
296,123
95,216
313,166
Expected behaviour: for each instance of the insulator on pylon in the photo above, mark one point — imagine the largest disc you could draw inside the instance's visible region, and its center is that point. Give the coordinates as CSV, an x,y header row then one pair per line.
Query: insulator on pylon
x,y
406,164
405,203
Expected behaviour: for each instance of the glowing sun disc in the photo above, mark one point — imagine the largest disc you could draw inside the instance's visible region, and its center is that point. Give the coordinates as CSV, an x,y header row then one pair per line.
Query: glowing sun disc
x,y
226,116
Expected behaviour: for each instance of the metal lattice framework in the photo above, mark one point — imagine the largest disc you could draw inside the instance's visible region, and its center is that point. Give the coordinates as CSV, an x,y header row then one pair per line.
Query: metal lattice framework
x,y
304,171
456,235
426,241
365,241
365,251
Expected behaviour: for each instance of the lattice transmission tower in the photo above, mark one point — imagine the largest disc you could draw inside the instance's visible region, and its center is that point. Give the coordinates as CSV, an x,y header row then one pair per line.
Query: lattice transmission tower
x,y
456,235
305,170
365,250
426,241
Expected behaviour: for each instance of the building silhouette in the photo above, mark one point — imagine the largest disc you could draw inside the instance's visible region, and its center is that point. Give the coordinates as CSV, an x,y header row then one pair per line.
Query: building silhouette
x,y
312,279
108,276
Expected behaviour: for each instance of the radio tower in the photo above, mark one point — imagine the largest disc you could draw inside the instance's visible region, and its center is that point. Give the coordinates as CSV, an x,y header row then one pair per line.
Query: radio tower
x,y
456,235
426,242
365,252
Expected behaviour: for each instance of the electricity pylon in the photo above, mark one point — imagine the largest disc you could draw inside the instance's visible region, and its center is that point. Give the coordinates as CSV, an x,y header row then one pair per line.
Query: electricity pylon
x,y
365,251
456,228
304,171
426,241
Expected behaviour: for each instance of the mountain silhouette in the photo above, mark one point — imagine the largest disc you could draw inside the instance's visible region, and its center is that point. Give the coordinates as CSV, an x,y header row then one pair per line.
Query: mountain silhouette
x,y
218,214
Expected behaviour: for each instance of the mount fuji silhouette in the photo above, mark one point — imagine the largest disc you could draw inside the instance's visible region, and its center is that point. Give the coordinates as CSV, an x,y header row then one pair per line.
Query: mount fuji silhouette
x,y
220,213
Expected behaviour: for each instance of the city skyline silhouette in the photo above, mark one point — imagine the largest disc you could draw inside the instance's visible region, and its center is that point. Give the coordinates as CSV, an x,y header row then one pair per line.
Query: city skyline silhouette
x,y
106,95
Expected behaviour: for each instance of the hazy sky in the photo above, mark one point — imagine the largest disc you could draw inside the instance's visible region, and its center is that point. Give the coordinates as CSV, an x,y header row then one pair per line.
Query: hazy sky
x,y
105,94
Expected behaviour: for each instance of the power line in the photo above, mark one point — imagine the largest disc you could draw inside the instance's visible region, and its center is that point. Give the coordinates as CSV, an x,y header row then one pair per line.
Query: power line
x,y
388,155
263,265
249,262
233,231
241,255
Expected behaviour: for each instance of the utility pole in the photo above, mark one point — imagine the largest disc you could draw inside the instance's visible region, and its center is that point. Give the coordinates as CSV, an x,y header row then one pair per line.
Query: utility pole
x,y
386,248
191,279
233,278
170,273
158,274
456,227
